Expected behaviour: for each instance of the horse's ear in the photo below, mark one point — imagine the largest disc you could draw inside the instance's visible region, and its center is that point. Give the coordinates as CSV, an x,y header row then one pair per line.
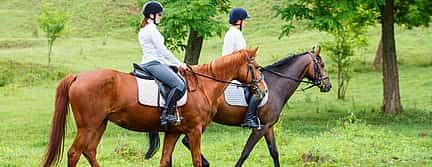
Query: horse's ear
x,y
253,52
316,49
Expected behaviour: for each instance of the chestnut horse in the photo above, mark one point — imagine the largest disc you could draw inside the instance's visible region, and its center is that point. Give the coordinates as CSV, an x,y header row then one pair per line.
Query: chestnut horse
x,y
282,79
97,97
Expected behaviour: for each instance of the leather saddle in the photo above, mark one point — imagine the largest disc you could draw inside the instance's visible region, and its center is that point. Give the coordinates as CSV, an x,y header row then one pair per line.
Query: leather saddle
x,y
140,72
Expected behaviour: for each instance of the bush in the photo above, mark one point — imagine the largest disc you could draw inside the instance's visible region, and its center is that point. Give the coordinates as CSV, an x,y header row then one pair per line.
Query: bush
x,y
28,74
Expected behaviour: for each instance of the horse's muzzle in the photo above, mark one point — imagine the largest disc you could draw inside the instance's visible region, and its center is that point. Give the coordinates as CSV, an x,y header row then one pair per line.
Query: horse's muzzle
x,y
325,87
260,93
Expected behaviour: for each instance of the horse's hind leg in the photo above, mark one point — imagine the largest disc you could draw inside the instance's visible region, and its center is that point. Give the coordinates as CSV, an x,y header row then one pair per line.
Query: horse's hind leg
x,y
85,142
90,151
82,138
271,144
89,130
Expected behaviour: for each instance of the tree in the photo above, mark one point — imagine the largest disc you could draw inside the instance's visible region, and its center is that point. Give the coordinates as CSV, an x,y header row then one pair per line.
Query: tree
x,y
52,21
411,13
378,57
346,21
194,20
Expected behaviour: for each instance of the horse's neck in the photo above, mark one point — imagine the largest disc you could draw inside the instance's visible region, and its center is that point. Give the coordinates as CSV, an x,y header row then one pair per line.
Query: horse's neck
x,y
219,69
281,88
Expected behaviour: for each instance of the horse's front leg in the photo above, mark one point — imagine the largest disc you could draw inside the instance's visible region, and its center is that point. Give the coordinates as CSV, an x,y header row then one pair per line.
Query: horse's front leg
x,y
271,144
170,140
185,142
194,137
252,140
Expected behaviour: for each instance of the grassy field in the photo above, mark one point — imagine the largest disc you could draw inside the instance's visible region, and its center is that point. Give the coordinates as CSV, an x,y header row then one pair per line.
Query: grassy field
x,y
315,129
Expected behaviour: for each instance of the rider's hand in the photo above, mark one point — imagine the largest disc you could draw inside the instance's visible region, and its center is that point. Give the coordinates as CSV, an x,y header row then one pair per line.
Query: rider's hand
x,y
183,65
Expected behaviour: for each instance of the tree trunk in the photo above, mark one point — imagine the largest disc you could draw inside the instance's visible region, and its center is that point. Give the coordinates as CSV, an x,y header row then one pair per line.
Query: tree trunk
x,y
50,45
193,48
391,101
378,57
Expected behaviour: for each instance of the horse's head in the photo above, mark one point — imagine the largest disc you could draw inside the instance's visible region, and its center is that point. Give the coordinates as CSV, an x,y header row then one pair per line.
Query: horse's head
x,y
250,74
315,70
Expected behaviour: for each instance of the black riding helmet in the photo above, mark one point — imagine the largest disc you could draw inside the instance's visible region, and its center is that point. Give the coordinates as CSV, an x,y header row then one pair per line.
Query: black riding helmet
x,y
152,7
237,14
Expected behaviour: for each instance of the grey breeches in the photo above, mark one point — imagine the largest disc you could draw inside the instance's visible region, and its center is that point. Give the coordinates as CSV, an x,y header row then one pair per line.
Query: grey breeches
x,y
164,74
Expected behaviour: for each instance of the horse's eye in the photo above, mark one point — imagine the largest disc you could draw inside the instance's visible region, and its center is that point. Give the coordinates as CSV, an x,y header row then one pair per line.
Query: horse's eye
x,y
322,65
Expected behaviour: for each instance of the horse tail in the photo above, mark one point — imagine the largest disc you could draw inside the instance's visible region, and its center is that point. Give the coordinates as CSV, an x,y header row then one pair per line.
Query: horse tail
x,y
56,140
154,144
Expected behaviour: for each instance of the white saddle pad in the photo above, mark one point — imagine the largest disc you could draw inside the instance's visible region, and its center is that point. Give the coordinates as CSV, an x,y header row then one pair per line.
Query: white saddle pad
x,y
235,96
148,94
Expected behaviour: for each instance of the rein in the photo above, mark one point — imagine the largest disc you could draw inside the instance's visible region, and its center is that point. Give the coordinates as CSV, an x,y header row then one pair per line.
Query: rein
x,y
316,82
284,76
312,84
189,68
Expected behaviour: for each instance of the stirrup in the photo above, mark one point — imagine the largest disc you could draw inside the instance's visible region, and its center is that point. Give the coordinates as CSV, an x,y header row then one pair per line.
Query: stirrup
x,y
163,121
256,125
174,119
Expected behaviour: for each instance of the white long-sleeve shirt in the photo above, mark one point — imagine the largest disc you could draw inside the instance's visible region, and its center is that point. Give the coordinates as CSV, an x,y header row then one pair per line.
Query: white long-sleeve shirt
x,y
233,41
153,47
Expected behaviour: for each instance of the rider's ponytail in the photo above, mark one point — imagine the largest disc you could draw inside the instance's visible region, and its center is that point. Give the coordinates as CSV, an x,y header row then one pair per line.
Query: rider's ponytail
x,y
144,22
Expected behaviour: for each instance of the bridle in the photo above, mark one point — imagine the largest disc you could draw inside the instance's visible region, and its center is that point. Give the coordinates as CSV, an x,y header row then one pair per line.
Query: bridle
x,y
319,78
253,85
260,93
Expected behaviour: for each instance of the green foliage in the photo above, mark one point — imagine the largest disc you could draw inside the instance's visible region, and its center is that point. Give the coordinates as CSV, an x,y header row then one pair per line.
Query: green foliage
x,y
52,21
328,16
180,17
199,15
342,49
413,13
346,21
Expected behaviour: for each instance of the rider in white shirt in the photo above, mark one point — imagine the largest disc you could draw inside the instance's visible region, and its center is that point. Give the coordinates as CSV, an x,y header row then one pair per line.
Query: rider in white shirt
x,y
235,41
157,58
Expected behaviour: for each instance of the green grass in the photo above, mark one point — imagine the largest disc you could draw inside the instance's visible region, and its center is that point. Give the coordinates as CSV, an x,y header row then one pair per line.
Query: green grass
x,y
315,129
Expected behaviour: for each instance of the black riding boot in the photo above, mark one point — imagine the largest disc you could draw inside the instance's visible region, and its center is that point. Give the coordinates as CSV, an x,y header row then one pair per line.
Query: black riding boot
x,y
168,112
251,116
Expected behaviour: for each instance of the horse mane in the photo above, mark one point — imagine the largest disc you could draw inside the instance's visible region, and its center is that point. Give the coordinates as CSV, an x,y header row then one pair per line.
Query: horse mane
x,y
286,61
233,59
230,61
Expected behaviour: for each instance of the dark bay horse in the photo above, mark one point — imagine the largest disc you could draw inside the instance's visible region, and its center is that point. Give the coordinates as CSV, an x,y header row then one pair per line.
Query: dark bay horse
x,y
282,79
97,97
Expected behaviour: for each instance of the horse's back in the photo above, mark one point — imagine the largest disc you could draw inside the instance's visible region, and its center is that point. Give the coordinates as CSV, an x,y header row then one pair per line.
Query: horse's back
x,y
102,87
